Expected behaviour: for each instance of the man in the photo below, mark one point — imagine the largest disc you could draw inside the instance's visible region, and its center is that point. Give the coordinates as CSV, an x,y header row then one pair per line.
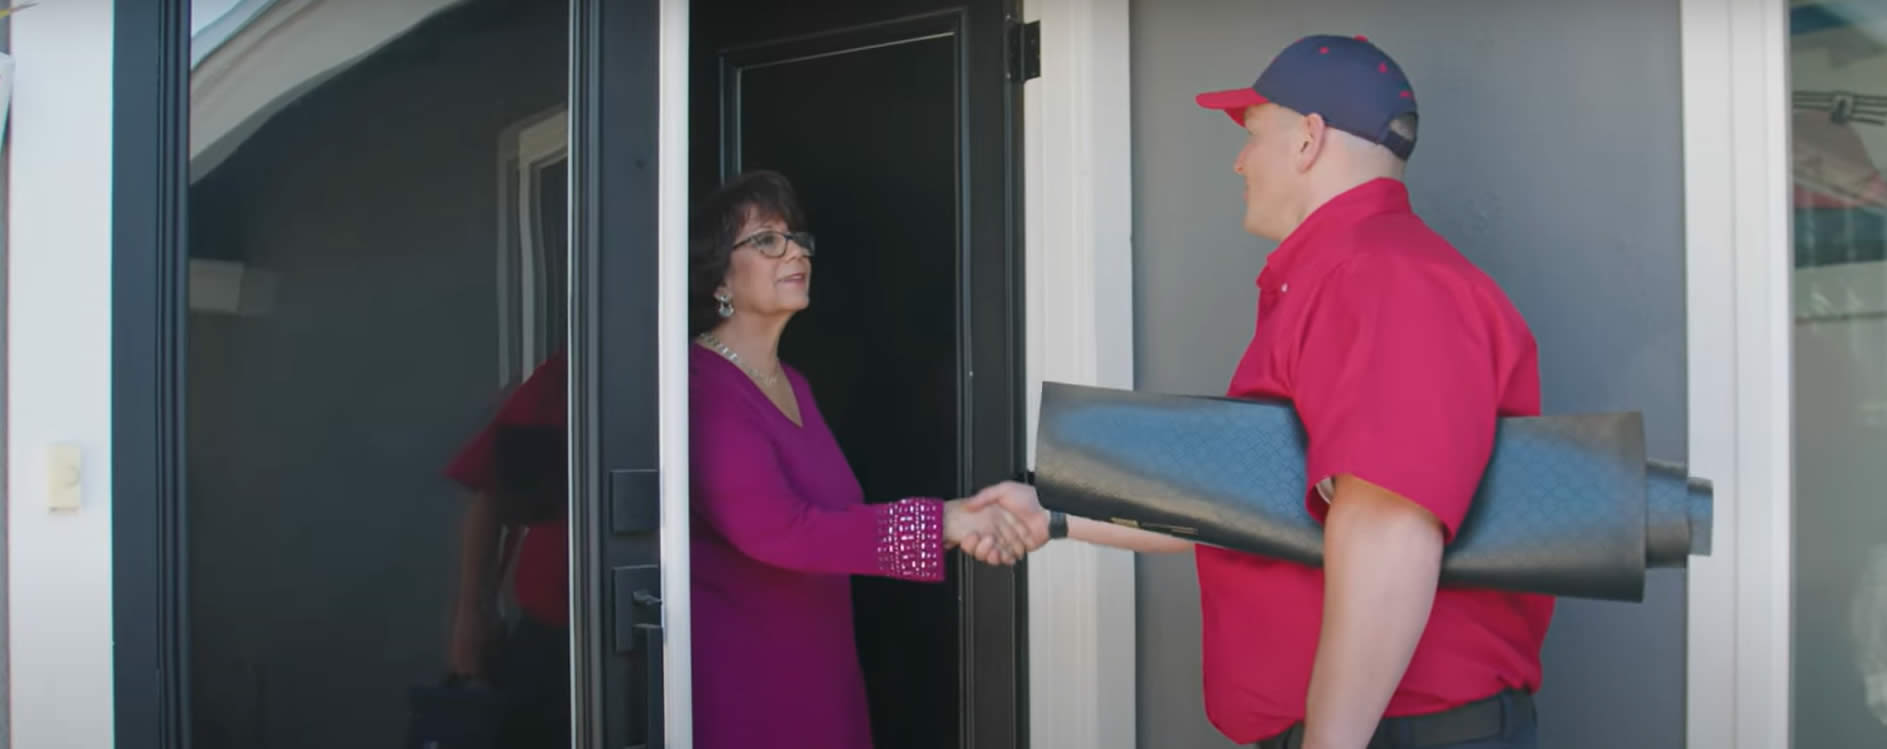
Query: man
x,y
515,469
1399,356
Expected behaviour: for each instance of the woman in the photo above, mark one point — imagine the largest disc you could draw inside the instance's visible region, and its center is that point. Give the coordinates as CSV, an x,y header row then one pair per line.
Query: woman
x,y
780,522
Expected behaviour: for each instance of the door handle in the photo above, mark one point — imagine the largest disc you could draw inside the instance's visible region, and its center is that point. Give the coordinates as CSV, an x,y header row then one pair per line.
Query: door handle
x,y
638,605
652,695
637,631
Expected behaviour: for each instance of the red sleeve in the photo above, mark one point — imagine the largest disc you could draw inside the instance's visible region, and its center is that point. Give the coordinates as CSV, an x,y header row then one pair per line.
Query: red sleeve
x,y
538,401
473,467
1395,382
739,490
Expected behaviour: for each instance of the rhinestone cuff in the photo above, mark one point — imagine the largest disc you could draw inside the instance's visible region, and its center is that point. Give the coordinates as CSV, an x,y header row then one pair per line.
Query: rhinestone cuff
x,y
910,539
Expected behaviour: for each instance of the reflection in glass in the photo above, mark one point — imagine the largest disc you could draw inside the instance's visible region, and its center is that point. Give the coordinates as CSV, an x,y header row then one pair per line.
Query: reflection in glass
x,y
1838,75
376,234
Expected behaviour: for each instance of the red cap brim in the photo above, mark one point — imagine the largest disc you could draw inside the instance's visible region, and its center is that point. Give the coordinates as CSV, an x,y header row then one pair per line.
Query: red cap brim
x,y
1233,102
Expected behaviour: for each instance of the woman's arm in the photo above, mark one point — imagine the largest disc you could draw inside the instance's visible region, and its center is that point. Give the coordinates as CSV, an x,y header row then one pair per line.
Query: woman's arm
x,y
740,490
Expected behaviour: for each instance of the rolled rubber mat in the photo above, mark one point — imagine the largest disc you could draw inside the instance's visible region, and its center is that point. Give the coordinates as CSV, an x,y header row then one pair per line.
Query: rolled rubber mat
x,y
1568,505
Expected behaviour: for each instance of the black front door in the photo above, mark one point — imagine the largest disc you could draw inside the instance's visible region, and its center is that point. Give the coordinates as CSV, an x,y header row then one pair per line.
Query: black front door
x,y
628,401
895,121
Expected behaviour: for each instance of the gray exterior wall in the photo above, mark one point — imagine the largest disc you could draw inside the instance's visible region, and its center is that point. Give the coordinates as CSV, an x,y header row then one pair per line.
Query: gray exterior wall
x,y
1551,155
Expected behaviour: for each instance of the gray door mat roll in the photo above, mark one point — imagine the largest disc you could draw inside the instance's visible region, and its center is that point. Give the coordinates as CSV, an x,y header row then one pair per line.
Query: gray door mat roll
x,y
1568,506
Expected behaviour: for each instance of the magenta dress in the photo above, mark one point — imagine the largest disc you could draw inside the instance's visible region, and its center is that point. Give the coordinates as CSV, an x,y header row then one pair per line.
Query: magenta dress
x,y
780,525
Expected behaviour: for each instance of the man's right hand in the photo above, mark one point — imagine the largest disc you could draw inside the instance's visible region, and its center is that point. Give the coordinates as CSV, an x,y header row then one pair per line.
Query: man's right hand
x,y
1019,500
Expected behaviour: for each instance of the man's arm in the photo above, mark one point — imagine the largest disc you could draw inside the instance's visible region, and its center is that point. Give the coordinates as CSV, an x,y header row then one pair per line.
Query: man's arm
x,y
1019,500
1123,537
1399,392
472,610
1382,558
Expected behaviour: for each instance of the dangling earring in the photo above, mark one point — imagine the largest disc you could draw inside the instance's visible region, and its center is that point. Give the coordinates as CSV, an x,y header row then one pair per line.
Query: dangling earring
x,y
726,308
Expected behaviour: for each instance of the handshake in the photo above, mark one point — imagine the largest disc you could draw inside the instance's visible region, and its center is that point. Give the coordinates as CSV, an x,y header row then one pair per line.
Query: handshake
x,y
998,525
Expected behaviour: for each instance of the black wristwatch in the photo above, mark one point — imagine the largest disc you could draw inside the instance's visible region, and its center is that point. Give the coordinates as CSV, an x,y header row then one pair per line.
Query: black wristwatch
x,y
1057,524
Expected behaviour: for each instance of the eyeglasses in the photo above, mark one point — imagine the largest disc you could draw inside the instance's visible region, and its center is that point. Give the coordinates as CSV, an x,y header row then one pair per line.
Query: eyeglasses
x,y
773,243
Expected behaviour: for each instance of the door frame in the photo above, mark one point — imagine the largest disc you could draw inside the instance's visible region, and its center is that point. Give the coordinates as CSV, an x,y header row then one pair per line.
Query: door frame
x,y
672,72
149,273
629,505
991,642
1739,315
1077,166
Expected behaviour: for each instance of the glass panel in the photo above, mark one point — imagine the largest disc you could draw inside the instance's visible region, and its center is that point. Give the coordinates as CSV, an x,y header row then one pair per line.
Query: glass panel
x,y
377,255
1838,75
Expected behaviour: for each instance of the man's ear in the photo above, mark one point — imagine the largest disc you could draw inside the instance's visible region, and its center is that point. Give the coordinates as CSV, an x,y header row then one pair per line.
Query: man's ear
x,y
1314,134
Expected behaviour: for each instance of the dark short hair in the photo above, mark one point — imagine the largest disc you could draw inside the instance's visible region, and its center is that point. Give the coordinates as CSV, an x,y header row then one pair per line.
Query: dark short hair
x,y
715,227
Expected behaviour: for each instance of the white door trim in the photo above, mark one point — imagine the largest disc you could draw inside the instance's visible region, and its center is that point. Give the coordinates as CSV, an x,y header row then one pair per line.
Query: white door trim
x,y
1078,209
671,228
1736,194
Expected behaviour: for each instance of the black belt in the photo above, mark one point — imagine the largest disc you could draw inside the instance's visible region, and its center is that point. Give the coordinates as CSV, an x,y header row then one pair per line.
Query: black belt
x,y
1475,721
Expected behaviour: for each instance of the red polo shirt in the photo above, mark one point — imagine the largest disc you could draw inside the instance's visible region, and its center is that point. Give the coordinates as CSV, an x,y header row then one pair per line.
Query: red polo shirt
x,y
541,572
1398,354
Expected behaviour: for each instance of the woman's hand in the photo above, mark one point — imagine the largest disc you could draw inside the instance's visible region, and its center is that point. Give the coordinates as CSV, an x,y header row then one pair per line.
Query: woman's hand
x,y
984,531
1020,504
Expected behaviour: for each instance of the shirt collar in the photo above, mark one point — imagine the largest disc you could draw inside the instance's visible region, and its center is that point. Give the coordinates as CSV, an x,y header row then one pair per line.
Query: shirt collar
x,y
1376,197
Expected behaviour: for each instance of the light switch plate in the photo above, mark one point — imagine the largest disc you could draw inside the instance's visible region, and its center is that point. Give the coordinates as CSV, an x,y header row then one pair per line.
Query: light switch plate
x,y
63,472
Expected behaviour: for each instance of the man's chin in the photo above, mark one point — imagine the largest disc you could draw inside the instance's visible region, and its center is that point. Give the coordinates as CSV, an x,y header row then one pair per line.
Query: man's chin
x,y
1255,228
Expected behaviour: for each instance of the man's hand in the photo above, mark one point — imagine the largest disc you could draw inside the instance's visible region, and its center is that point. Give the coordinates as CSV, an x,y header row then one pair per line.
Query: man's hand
x,y
1020,502
987,533
1382,561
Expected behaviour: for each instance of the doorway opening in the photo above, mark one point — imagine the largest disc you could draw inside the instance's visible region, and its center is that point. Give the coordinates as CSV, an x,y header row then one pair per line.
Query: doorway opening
x,y
895,122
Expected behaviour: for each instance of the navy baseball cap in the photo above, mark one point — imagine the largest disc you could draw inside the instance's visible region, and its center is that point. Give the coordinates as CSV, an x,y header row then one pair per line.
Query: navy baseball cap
x,y
1354,85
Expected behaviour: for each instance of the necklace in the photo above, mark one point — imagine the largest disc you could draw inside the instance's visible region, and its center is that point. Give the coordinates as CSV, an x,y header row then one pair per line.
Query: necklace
x,y
728,354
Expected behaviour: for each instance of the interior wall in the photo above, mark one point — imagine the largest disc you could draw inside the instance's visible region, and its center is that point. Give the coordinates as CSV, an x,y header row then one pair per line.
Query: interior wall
x,y
1551,156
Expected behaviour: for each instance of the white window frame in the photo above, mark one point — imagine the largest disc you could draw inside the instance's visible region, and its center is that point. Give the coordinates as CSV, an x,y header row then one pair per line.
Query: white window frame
x,y
524,150
1740,320
1078,208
